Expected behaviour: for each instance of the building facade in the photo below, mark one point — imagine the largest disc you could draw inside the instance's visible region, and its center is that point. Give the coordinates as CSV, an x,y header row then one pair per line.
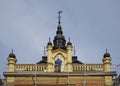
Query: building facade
x,y
59,67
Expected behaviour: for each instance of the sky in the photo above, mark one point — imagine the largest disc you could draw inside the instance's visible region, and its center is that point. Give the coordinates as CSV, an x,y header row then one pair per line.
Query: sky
x,y
92,25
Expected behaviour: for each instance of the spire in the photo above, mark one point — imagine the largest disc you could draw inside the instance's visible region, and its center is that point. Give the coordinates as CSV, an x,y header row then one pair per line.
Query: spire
x,y
59,40
59,28
59,17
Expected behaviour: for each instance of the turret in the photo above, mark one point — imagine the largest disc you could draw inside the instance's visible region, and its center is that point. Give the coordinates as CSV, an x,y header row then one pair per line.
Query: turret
x,y
107,68
11,68
49,56
107,61
69,55
11,62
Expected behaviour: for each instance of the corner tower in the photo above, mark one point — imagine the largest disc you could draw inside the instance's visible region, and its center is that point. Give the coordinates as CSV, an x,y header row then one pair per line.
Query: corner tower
x,y
107,61
11,68
11,62
107,68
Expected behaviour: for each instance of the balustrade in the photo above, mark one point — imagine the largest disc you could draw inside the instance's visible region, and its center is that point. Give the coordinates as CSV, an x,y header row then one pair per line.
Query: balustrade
x,y
88,67
30,67
76,67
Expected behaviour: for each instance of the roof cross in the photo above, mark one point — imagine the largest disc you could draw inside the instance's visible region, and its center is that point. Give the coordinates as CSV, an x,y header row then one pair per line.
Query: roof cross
x,y
59,17
106,50
44,50
74,51
49,39
12,50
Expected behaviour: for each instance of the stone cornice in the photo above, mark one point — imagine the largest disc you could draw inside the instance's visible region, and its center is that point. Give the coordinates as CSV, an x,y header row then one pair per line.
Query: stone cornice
x,y
54,74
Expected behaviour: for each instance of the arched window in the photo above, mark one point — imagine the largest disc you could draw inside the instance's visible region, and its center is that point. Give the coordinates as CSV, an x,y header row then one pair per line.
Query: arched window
x,y
58,63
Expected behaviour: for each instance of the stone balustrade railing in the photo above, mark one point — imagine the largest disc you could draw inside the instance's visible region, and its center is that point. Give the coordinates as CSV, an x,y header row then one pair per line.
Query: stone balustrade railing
x,y
88,67
30,67
76,67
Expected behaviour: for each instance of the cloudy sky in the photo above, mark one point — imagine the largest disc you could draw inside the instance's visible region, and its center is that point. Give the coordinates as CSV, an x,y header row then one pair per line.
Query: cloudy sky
x,y
92,25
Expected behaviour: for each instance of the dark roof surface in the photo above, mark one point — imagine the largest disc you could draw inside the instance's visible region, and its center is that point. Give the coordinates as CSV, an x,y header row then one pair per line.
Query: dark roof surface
x,y
74,60
59,40
12,55
106,55
44,60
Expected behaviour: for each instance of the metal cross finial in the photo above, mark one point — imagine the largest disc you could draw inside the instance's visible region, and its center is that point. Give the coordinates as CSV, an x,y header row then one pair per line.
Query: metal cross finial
x,y
69,39
74,50
59,17
44,51
106,50
49,39
12,50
